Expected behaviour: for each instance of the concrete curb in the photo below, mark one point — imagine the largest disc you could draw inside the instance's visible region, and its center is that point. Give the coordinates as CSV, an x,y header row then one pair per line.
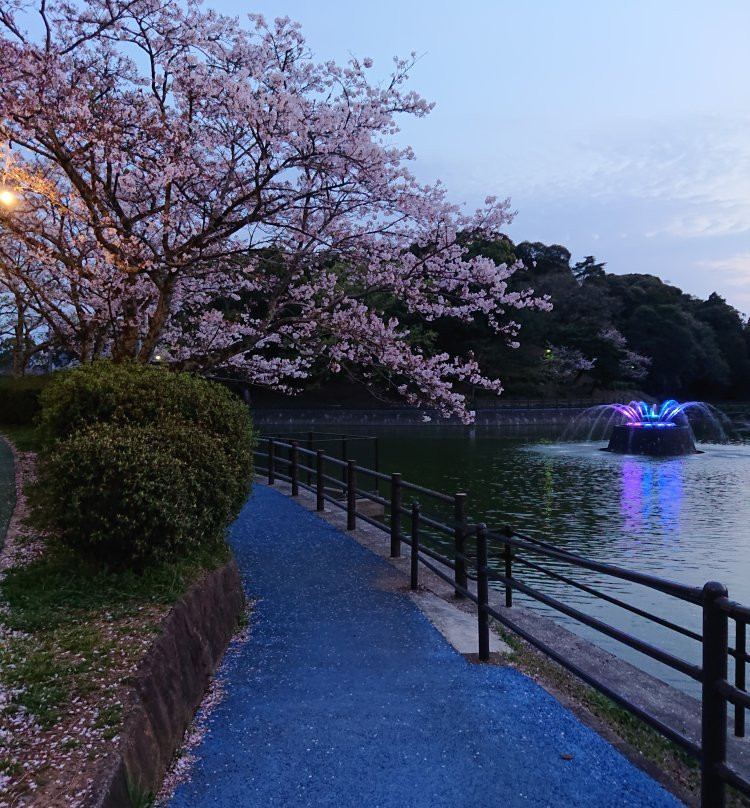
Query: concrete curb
x,y
169,687
459,628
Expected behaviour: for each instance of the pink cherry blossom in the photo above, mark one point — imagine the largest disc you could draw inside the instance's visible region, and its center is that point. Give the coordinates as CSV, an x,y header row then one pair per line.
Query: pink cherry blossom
x,y
208,193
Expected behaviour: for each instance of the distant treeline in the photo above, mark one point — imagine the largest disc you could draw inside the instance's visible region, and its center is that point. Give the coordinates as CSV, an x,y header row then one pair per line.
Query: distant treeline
x,y
605,332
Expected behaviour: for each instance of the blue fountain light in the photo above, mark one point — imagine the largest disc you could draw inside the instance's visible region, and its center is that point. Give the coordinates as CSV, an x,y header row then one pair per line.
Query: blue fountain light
x,y
641,414
652,430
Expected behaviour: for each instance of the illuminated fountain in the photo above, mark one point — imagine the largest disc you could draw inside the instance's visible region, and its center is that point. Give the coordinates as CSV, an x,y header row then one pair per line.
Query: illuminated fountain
x,y
648,430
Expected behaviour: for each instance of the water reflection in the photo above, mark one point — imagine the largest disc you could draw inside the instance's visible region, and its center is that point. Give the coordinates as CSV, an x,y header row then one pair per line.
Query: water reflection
x,y
651,498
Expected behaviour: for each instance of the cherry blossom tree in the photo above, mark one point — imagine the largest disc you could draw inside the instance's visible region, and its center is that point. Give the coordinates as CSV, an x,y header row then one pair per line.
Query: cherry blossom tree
x,y
210,194
564,364
632,365
22,330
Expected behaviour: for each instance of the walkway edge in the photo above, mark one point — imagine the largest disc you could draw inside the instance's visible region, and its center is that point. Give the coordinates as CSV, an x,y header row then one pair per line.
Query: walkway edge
x,y
13,551
458,628
169,686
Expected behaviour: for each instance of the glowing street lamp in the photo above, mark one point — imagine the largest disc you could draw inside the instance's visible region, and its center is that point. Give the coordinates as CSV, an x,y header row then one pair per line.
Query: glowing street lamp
x,y
7,197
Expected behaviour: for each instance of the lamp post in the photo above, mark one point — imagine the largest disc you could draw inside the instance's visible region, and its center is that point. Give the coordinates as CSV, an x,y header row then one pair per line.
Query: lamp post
x,y
7,198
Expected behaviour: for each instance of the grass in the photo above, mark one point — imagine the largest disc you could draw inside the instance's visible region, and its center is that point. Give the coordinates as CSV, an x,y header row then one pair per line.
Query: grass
x,y
138,796
68,614
109,720
639,735
24,438
60,587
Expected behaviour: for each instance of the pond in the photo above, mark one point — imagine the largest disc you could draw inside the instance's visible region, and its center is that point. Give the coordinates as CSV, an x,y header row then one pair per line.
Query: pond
x,y
684,518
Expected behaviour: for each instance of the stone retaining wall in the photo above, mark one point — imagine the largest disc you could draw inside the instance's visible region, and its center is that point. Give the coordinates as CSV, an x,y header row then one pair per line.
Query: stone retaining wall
x,y
169,686
519,417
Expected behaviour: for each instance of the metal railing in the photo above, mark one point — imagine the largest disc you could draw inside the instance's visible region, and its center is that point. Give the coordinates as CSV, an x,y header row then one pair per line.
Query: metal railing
x,y
481,556
339,445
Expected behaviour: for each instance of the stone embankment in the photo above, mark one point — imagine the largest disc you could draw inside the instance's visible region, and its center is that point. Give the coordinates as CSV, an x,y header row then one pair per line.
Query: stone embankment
x,y
169,686
501,416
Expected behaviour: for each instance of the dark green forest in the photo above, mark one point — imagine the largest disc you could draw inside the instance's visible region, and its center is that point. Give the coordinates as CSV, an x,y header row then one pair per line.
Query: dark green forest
x,y
606,332
606,335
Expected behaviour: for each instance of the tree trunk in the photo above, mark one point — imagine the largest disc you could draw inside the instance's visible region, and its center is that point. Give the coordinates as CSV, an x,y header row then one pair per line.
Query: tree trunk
x,y
19,343
126,341
157,321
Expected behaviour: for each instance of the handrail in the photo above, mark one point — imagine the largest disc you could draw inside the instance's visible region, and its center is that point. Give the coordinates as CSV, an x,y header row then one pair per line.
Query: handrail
x,y
692,594
693,635
734,609
671,661
378,475
428,492
510,548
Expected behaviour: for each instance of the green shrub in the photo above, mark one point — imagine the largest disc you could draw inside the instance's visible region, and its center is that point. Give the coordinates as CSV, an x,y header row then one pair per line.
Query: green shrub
x,y
130,495
20,399
135,394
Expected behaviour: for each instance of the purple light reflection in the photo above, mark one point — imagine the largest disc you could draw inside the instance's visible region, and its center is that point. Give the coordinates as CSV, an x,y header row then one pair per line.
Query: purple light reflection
x,y
651,498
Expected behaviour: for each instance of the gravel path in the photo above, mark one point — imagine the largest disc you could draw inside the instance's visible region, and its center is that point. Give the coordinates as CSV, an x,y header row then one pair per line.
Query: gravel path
x,y
345,695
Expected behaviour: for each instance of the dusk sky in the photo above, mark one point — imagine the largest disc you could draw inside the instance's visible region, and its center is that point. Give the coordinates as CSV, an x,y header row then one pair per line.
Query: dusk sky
x,y
618,129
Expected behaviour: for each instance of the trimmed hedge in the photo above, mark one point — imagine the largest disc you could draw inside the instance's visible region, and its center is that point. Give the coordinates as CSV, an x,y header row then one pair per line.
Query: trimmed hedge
x,y
20,399
132,495
139,464
135,394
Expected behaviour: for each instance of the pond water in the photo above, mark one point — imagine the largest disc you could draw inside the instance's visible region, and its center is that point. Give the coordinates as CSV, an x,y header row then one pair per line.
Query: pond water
x,y
684,518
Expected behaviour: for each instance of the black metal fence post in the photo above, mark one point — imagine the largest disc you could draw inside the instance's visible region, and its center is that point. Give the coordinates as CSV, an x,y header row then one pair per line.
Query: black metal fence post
x,y
395,515
351,495
508,575
740,647
294,457
377,465
483,593
508,556
415,545
344,457
320,503
713,704
271,461
310,442
459,542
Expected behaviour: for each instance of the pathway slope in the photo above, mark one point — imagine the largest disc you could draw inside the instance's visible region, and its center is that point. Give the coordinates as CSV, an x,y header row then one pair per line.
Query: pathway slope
x,y
346,695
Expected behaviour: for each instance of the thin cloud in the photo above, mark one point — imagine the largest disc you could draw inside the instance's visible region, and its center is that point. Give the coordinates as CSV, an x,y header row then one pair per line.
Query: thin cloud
x,y
735,268
698,167
733,273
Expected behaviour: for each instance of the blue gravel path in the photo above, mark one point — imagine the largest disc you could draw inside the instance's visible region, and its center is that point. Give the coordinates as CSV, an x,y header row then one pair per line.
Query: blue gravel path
x,y
345,695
